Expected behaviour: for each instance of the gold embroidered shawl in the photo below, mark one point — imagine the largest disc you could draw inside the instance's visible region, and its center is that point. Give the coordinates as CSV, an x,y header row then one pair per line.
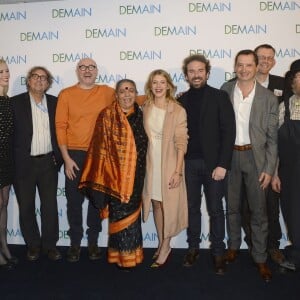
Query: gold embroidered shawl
x,y
111,158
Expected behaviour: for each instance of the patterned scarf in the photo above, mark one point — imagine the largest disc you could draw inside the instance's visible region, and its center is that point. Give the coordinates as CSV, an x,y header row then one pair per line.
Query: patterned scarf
x,y
111,158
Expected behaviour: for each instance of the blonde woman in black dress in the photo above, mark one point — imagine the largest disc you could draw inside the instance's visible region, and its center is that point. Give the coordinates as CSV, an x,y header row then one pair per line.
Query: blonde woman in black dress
x,y
6,164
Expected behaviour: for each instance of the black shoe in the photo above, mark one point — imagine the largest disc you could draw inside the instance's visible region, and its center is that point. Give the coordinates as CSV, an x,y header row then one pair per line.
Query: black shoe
x,y
94,252
53,254
73,254
219,264
125,269
33,253
230,255
7,266
277,256
288,266
191,257
12,260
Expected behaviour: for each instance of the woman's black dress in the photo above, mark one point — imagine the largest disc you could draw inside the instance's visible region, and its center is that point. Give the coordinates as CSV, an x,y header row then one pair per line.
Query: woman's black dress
x,y
6,151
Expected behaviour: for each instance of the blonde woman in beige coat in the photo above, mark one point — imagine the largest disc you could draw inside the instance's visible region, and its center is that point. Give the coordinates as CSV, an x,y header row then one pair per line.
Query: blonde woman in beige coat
x,y
166,126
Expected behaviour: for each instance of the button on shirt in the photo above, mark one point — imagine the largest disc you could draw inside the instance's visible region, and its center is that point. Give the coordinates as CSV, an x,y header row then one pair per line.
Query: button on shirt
x,y
41,139
242,108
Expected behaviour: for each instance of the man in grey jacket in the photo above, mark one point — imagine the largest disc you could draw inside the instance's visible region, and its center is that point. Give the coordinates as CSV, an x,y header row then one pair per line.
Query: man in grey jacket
x,y
254,158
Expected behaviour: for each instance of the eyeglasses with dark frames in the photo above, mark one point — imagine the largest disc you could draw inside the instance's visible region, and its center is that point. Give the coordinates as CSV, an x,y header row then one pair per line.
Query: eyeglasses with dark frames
x,y
89,67
39,77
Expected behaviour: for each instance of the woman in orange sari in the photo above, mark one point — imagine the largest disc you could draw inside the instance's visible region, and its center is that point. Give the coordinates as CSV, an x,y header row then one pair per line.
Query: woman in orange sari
x,y
114,173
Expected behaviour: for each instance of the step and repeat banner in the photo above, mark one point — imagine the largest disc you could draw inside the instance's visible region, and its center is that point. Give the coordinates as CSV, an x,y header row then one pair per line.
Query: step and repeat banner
x,y
128,39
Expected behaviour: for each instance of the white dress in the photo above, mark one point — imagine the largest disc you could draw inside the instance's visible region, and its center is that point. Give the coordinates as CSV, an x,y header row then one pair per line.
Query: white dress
x,y
156,122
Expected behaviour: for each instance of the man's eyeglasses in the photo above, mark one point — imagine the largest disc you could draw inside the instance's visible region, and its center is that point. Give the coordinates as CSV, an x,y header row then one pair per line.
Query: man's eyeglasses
x,y
40,77
89,67
267,58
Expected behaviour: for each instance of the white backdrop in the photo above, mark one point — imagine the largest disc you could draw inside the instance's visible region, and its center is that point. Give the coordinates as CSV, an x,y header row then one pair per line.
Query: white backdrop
x,y
128,39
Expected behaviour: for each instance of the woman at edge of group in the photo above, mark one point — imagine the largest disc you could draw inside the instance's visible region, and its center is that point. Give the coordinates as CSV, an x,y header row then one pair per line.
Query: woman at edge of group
x,y
287,180
6,164
113,174
165,123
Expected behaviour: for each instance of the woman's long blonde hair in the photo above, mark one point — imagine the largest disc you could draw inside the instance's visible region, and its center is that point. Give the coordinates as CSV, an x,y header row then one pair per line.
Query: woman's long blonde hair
x,y
5,89
170,96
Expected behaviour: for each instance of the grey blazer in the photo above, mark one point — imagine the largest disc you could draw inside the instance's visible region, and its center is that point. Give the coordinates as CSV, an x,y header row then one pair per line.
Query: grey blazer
x,y
263,126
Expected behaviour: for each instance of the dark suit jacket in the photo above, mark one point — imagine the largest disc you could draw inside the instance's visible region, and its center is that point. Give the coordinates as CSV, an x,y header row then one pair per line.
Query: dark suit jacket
x,y
275,83
23,132
217,126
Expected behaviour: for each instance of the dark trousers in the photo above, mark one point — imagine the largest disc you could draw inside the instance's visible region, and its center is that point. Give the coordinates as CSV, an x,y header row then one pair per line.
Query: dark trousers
x,y
197,176
290,205
43,176
274,229
75,200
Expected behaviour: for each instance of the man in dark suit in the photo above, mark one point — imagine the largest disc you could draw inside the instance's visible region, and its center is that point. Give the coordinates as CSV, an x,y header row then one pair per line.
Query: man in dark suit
x,y
254,158
266,61
37,162
211,128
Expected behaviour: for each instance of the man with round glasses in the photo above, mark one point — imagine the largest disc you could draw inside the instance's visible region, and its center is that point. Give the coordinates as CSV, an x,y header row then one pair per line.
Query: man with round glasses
x,y
77,110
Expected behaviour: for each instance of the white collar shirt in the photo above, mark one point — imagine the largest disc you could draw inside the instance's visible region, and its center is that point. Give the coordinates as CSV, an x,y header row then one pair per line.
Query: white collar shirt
x,y
242,109
266,82
41,138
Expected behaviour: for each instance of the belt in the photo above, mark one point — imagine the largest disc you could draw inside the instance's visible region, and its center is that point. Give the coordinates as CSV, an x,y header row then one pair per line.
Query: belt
x,y
243,147
41,155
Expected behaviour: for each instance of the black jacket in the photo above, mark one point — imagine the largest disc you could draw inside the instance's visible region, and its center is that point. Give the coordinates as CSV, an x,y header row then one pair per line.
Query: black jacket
x,y
217,126
23,132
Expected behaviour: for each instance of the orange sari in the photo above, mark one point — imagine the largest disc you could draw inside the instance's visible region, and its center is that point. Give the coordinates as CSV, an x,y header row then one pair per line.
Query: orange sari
x,y
111,158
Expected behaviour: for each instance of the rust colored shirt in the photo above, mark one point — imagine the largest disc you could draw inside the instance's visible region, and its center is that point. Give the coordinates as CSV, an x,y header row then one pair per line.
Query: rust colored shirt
x,y
76,114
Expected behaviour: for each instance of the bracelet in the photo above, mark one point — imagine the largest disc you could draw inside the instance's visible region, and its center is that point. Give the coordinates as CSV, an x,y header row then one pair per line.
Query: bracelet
x,y
180,174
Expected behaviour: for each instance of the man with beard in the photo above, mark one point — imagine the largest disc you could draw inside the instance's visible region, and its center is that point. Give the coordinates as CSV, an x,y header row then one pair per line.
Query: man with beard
x,y
77,110
211,128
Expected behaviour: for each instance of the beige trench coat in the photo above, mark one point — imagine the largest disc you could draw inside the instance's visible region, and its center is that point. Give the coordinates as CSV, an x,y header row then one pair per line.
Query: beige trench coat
x,y
174,200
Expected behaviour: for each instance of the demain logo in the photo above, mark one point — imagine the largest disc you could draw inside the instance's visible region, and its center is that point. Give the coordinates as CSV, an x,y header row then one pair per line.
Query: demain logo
x,y
14,232
63,234
9,16
279,6
70,57
287,52
71,12
150,236
200,7
245,29
175,30
30,36
177,77
139,55
15,59
59,212
61,192
204,237
109,32
56,80
109,78
140,9
213,53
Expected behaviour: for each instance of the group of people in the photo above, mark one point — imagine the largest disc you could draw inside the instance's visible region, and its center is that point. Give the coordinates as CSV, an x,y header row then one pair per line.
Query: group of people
x,y
127,153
